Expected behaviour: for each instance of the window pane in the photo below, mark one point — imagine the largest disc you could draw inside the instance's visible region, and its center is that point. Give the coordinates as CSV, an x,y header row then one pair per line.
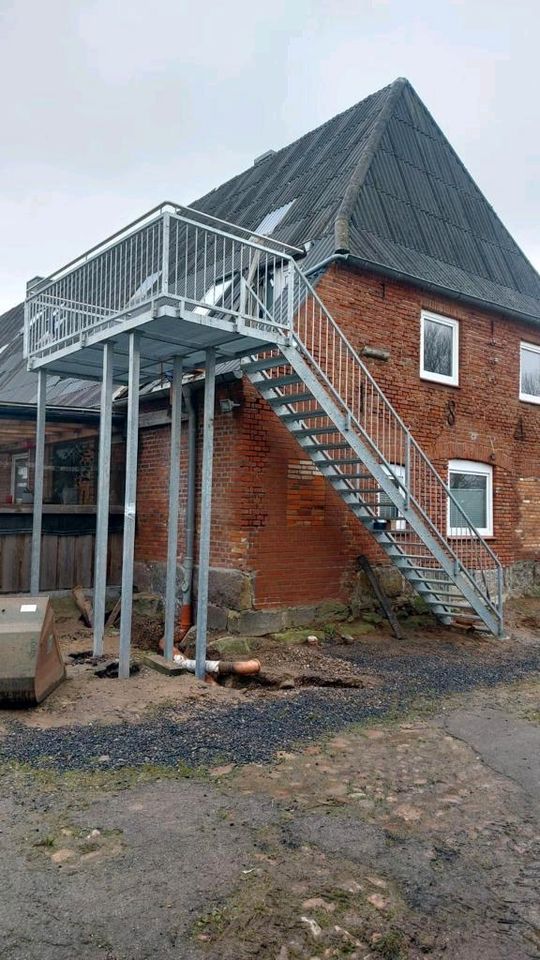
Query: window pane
x,y
470,491
530,372
438,341
387,509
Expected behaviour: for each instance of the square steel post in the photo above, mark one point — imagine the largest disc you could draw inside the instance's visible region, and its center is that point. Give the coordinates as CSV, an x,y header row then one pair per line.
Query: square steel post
x,y
174,508
132,439
39,464
206,510
103,484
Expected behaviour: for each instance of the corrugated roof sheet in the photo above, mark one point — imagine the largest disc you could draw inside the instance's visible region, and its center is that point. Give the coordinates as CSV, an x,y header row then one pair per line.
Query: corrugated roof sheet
x,y
19,385
416,207
415,211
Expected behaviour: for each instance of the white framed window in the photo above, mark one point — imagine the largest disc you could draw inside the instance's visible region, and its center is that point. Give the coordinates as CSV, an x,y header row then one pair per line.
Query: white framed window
x,y
439,348
386,509
529,372
471,485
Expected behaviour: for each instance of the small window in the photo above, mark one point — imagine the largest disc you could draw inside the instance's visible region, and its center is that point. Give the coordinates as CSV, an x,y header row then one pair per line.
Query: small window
x,y
215,296
439,348
387,510
529,383
271,221
19,479
471,485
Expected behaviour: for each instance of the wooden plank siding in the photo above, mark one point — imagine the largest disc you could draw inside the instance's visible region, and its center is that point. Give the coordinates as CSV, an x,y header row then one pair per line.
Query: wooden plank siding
x,y
66,560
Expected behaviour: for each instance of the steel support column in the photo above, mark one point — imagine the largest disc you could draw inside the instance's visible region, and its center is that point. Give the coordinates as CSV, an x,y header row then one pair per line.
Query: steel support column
x,y
39,463
103,485
132,438
174,494
206,510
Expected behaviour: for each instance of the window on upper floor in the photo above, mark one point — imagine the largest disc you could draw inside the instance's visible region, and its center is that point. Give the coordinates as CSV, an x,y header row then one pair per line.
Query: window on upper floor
x,y
471,485
529,373
439,348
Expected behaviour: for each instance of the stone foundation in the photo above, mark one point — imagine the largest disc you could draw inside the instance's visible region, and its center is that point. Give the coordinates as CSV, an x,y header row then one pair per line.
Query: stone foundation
x,y
232,608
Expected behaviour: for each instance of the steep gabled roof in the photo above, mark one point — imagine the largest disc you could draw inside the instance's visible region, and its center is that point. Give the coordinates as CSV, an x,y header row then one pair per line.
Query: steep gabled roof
x,y
382,183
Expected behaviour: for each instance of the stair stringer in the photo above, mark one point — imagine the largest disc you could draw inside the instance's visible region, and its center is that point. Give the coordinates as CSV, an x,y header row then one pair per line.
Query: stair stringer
x,y
447,563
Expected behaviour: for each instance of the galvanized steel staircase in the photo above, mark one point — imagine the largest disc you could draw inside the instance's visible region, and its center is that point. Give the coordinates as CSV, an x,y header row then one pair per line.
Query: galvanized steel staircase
x,y
324,394
213,282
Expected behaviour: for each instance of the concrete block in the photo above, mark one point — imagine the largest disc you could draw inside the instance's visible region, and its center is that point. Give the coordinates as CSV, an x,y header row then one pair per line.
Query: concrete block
x,y
302,616
157,662
257,623
227,647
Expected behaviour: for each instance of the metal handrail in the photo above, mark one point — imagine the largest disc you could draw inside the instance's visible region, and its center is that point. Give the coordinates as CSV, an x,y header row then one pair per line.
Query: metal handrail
x,y
228,271
410,443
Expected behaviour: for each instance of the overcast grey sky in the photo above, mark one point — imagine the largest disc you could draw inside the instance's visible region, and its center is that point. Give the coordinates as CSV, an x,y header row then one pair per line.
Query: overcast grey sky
x,y
110,106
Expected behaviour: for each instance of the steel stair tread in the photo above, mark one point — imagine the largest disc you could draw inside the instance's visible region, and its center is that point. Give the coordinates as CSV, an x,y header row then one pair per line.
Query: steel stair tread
x,y
266,363
283,400
271,384
300,415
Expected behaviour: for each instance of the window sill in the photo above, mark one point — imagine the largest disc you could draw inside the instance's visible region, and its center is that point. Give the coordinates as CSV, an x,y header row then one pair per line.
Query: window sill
x,y
524,398
439,382
457,536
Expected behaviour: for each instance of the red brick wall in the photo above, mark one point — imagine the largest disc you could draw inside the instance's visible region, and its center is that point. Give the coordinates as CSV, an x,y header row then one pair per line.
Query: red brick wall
x,y
256,523
491,424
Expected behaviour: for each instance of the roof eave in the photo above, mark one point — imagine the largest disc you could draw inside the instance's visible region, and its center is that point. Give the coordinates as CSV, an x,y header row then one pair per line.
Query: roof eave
x,y
383,271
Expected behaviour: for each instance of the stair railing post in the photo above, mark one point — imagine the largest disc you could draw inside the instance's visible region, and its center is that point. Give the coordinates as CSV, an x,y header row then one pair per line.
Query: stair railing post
x,y
290,297
407,469
500,605
166,252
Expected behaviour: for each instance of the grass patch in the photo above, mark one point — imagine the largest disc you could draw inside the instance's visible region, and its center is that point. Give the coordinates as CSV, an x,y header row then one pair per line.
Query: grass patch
x,y
99,781
391,946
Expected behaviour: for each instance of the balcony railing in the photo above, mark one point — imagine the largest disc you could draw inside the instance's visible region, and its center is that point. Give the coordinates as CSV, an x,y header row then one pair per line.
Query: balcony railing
x,y
212,266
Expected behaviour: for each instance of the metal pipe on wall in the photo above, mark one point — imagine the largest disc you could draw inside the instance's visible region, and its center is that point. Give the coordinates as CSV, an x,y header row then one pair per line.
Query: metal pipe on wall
x,y
39,465
186,614
206,510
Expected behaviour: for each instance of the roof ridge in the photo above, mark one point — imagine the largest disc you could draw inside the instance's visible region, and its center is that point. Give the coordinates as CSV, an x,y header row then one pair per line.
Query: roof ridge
x,y
296,141
342,221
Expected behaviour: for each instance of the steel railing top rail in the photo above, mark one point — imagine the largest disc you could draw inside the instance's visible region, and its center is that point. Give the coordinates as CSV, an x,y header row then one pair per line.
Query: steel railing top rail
x,y
196,217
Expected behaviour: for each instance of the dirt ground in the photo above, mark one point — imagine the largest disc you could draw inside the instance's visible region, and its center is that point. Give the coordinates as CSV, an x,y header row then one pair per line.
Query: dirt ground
x,y
401,836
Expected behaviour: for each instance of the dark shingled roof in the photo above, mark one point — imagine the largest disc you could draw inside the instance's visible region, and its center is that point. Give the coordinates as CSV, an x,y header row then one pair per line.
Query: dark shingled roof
x,y
18,385
379,182
382,183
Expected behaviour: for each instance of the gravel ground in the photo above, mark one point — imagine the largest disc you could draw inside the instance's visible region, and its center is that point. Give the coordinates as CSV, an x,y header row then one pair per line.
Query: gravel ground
x,y
254,732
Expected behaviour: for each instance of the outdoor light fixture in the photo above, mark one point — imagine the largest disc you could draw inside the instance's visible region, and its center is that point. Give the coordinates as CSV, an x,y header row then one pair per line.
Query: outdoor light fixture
x,y
227,406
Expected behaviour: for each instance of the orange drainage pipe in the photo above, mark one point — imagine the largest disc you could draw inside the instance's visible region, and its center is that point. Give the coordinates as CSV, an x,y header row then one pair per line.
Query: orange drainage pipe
x,y
222,668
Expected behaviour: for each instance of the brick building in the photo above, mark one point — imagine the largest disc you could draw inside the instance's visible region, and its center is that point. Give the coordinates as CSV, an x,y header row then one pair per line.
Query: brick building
x,y
444,309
